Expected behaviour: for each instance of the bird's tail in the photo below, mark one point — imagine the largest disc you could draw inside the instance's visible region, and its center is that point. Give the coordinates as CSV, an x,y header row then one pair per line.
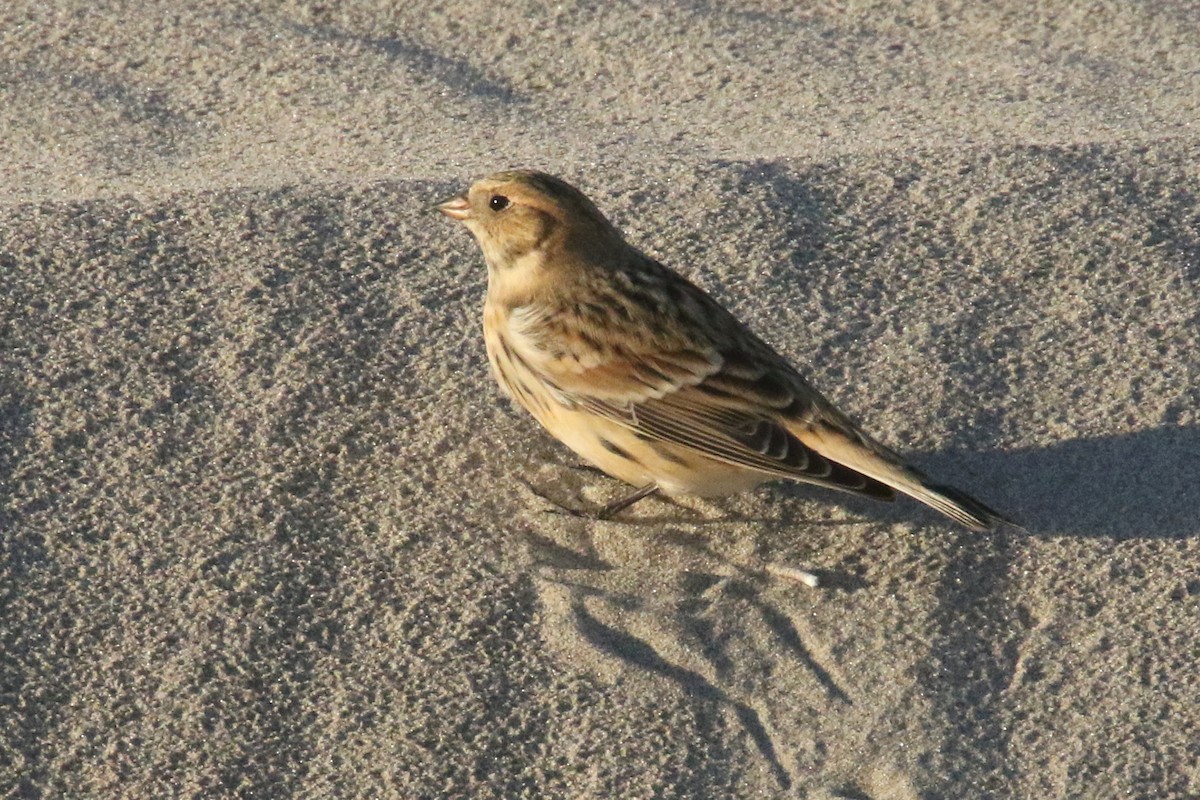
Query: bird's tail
x,y
957,505
855,451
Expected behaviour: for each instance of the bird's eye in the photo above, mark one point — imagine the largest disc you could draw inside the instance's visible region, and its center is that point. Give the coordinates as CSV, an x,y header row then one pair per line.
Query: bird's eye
x,y
498,202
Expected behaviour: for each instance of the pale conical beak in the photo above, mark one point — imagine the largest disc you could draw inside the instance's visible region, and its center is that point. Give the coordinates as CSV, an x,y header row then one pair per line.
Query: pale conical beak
x,y
457,207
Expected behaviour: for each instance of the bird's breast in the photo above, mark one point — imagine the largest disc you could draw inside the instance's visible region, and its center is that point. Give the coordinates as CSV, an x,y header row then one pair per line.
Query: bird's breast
x,y
512,360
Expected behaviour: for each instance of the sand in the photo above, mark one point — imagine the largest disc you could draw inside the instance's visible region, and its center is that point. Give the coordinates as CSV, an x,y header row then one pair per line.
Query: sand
x,y
268,529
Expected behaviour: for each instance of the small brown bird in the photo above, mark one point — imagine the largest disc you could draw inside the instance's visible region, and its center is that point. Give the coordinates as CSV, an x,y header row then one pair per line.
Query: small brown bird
x,y
645,375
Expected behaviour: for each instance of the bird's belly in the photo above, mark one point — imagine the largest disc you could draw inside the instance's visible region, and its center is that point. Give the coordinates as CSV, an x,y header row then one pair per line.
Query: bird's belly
x,y
638,460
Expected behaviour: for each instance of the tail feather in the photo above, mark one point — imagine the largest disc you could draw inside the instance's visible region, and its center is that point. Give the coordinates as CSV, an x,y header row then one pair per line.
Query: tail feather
x,y
880,464
958,506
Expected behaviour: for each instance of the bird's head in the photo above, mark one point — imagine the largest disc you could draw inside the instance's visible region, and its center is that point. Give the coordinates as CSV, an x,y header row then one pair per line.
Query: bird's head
x,y
520,213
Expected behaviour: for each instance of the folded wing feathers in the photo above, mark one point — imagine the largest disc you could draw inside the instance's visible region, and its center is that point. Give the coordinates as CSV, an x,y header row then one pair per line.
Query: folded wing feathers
x,y
738,411
740,439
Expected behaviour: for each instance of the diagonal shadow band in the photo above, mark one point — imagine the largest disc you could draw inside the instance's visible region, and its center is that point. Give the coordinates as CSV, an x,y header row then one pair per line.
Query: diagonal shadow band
x,y
455,73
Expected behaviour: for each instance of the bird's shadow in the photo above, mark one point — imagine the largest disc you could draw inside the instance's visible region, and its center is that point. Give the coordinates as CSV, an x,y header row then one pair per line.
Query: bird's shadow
x,y
1142,485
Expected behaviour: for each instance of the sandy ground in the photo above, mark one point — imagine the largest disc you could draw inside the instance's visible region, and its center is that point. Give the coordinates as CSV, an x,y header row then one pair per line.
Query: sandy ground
x,y
269,531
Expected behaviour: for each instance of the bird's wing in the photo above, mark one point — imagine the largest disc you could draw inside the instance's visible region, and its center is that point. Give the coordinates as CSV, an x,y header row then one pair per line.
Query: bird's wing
x,y
723,406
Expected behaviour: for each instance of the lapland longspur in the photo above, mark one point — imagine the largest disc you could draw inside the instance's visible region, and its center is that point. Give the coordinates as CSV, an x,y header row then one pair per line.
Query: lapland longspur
x,y
648,377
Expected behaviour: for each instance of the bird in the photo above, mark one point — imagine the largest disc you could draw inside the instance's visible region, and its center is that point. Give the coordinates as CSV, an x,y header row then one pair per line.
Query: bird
x,y
649,378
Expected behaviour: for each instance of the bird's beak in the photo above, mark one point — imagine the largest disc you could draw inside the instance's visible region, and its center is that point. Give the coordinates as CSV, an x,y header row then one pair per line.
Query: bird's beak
x,y
457,207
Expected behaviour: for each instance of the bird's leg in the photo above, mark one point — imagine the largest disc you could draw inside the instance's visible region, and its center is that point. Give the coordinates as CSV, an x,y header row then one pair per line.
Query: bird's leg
x,y
605,512
617,506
